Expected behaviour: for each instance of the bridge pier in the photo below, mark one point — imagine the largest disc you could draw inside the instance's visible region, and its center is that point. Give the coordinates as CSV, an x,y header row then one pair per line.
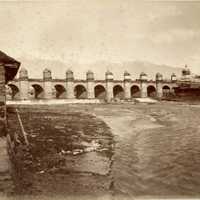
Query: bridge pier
x,y
143,85
47,84
127,82
109,86
159,90
23,84
70,84
159,85
90,85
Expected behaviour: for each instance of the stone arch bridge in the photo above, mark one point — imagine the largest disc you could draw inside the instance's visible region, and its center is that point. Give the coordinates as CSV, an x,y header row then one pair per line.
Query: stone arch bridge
x,y
25,88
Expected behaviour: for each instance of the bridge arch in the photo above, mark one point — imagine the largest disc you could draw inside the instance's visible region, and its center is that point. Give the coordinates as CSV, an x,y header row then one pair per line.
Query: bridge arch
x,y
118,92
166,90
100,92
37,91
151,91
60,91
12,92
135,91
80,92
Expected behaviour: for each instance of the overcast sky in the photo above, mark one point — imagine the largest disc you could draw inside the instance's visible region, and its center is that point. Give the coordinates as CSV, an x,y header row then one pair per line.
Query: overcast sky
x,y
85,31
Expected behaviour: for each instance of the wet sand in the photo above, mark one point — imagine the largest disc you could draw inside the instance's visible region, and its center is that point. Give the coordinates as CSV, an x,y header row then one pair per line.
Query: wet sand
x,y
156,153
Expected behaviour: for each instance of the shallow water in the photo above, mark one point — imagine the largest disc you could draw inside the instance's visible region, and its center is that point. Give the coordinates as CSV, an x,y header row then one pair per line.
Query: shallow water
x,y
157,151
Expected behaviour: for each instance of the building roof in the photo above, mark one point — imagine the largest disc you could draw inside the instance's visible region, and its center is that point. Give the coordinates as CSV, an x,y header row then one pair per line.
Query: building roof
x,y
11,66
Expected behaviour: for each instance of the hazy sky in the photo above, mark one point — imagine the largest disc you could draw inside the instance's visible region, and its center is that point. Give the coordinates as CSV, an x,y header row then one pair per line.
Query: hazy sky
x,y
162,32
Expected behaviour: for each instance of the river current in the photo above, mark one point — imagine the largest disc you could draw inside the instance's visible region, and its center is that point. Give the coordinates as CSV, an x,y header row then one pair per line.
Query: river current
x,y
156,153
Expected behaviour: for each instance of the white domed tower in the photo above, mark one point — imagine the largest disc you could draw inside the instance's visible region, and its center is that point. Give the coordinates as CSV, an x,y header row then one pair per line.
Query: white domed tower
x,y
89,75
186,74
159,77
109,75
173,77
69,75
23,74
47,74
186,71
127,76
143,76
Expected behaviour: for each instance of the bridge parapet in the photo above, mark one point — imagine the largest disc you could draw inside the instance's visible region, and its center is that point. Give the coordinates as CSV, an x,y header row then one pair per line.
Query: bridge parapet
x,y
48,87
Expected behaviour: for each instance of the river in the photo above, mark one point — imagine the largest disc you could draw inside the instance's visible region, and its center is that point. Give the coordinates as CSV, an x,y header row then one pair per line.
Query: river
x,y
156,153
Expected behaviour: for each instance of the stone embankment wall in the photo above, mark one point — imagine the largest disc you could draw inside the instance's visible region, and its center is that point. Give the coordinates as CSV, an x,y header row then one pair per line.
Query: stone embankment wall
x,y
6,182
2,101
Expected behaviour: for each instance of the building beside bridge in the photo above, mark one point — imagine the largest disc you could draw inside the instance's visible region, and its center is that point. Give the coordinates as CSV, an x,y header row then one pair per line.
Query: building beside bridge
x,y
8,70
188,85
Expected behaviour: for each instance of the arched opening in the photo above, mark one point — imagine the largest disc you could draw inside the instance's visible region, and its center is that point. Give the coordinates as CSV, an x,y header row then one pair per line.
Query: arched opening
x,y
12,92
118,92
166,91
173,91
80,92
100,92
60,91
151,91
135,91
37,92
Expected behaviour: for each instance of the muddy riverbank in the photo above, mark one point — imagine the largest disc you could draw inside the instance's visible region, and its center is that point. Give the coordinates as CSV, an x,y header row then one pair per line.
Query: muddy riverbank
x,y
67,154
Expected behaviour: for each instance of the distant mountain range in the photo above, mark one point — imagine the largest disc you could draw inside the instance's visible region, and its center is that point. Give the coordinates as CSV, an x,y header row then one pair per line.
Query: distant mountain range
x,y
58,68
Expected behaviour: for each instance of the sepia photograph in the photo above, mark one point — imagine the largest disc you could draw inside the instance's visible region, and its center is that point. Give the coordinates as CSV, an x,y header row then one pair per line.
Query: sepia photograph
x,y
99,99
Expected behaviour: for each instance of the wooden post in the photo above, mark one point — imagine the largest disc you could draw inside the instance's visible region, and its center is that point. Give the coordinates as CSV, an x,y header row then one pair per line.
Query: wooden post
x,y
22,128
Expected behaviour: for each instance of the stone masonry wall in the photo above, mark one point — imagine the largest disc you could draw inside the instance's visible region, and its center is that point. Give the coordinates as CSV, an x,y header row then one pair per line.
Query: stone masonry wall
x,y
2,100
